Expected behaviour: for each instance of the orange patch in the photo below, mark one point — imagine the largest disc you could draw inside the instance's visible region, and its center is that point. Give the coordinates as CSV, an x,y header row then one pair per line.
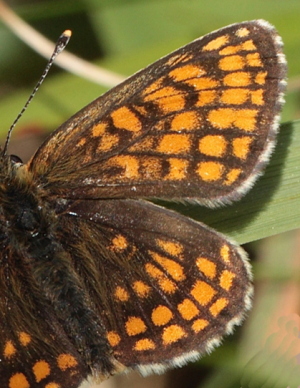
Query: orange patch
x,y
144,344
135,326
161,315
108,142
66,361
174,269
236,96
218,306
177,169
210,171
225,253
153,87
242,32
141,289
174,249
164,283
187,309
207,267
253,60
203,83
172,334
225,118
257,97
260,78
206,97
215,44
18,380
199,325
185,121
121,294
41,370
24,338
52,385
226,279
213,145
9,349
119,243
124,118
130,165
174,144
113,338
232,176
202,292
99,129
185,72
232,63
241,146
237,79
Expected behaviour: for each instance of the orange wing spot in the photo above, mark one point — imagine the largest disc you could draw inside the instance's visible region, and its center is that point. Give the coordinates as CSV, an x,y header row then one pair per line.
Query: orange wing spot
x,y
174,249
144,344
164,283
121,294
242,32
108,142
187,309
257,97
232,63
253,60
215,44
172,334
237,79
174,144
213,145
24,338
174,269
203,83
99,129
81,142
207,267
236,96
9,349
185,121
177,169
161,315
249,45
218,306
241,146
153,87
199,325
206,97
141,289
151,168
185,72
41,370
52,385
226,279
229,50
124,118
171,104
130,165
225,253
145,144
119,243
135,326
260,78
18,380
66,361
224,118
232,176
113,338
210,171
202,292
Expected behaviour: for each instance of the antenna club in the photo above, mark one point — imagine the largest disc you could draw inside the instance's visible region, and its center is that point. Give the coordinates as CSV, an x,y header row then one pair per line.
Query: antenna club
x,y
67,33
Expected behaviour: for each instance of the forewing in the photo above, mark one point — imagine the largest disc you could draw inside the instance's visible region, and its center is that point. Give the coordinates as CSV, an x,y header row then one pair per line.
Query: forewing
x,y
198,123
167,288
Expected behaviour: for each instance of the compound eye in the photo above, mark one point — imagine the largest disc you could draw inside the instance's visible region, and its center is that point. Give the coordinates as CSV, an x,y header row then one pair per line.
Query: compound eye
x,y
15,159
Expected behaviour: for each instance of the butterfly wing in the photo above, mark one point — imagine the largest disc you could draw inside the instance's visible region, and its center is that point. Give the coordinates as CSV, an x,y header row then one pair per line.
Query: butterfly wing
x,y
166,287
199,123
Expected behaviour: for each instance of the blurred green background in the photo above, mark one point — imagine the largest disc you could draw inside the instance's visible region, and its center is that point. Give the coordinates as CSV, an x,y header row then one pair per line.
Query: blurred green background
x,y
124,36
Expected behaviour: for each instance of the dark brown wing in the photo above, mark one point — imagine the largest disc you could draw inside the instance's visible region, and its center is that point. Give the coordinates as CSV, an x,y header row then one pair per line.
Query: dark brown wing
x,y
199,123
167,288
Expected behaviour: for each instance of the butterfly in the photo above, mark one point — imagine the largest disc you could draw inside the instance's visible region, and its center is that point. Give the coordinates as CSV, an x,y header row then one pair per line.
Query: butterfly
x,y
95,279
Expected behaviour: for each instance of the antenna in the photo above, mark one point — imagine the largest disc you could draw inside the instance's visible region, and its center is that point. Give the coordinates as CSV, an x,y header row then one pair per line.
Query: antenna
x,y
61,43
